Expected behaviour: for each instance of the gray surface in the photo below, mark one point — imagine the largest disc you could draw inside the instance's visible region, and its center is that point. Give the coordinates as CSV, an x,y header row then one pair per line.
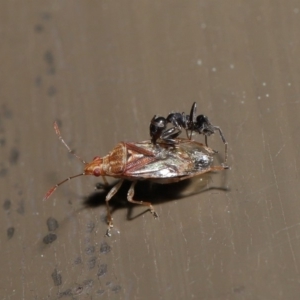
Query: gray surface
x,y
103,70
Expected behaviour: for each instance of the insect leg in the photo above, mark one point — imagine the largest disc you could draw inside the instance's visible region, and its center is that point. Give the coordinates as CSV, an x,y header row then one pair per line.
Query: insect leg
x,y
104,180
111,193
225,143
130,195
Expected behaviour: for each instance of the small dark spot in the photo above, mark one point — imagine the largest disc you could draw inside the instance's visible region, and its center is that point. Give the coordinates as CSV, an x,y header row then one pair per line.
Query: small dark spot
x,y
49,58
10,232
105,248
52,224
7,113
3,171
78,261
90,227
116,288
2,142
51,71
51,91
49,238
46,16
38,28
89,250
78,290
21,207
102,270
92,263
239,289
100,292
6,204
14,156
65,293
56,277
88,283
38,81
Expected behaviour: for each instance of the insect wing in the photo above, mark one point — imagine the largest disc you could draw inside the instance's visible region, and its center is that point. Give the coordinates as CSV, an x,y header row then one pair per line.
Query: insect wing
x,y
185,158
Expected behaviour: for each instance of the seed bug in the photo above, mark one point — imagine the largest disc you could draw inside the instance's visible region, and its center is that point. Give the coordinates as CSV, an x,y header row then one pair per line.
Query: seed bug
x,y
136,161
191,123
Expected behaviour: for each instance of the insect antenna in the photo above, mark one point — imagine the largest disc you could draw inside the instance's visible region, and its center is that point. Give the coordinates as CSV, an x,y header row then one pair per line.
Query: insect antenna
x,y
53,189
57,131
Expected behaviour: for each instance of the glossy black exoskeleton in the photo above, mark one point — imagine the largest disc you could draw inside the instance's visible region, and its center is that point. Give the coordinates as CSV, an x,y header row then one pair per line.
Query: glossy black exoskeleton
x,y
191,123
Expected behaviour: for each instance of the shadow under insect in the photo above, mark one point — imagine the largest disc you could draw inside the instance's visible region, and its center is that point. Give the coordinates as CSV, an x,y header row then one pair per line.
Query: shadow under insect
x,y
147,191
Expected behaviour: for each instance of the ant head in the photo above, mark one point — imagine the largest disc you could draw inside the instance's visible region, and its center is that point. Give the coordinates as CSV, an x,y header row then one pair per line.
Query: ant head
x,y
203,125
157,125
159,122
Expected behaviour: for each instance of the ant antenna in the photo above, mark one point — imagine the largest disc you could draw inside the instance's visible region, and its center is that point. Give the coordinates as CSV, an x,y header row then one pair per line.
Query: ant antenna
x,y
57,131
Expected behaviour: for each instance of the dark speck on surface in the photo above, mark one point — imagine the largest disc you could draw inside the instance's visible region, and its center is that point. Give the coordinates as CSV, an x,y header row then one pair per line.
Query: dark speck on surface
x,y
6,204
51,91
65,293
21,207
10,232
38,81
49,58
14,156
6,112
3,171
102,270
105,248
116,288
100,292
78,261
92,262
2,142
49,238
89,250
239,289
38,28
52,224
90,227
46,16
88,283
57,279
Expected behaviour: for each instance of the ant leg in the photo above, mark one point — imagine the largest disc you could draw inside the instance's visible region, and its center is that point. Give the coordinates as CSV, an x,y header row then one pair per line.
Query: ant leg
x,y
111,193
169,136
206,141
215,151
225,143
130,195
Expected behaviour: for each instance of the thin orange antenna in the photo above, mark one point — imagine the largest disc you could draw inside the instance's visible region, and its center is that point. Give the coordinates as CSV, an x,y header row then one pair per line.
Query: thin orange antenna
x,y
53,189
57,131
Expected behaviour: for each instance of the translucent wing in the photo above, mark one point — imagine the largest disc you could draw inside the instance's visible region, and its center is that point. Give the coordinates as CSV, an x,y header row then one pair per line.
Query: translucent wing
x,y
166,162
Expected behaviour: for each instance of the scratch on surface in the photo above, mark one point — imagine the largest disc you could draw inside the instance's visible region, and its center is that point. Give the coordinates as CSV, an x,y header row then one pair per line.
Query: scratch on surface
x,y
283,214
240,127
286,228
279,151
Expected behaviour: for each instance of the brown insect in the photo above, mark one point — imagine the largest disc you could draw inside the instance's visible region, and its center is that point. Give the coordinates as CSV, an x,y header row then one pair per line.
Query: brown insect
x,y
133,161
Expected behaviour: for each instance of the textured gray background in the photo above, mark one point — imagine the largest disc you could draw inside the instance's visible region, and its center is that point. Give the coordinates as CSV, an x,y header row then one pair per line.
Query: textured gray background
x,y
103,69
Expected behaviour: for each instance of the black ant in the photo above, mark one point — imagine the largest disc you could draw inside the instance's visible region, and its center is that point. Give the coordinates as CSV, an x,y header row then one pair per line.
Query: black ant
x,y
191,123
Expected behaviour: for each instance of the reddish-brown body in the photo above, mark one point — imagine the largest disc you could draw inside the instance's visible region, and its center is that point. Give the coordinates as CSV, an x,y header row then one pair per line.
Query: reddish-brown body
x,y
144,161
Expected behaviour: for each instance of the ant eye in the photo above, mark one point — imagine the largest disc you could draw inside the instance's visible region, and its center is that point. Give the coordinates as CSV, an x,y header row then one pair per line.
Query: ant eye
x,y
96,172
